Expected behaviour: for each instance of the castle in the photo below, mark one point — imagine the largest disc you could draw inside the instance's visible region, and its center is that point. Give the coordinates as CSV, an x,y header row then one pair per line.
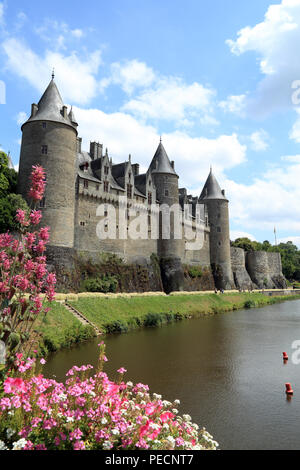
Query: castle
x,y
78,182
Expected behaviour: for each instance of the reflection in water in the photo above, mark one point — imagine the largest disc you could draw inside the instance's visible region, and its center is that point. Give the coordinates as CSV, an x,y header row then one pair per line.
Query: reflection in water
x,y
227,370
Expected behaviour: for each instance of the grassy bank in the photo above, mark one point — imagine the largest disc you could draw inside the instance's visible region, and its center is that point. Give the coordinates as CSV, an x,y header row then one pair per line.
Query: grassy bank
x,y
119,315
60,329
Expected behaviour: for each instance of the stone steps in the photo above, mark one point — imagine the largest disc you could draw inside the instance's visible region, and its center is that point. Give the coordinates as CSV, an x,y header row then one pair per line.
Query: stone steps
x,y
82,318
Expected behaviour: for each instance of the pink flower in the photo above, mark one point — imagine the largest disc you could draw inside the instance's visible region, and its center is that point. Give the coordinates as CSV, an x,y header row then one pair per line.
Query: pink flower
x,y
21,218
79,445
166,416
35,217
121,370
44,233
12,385
42,361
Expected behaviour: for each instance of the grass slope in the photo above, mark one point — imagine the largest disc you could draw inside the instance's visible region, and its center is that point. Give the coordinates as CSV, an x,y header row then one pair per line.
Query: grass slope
x,y
123,314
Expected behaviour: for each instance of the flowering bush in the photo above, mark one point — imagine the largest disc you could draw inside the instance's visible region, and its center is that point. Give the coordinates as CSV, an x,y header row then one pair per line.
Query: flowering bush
x,y
24,276
90,412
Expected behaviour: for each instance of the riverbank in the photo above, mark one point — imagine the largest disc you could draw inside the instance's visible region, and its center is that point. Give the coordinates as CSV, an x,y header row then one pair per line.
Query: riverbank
x,y
120,313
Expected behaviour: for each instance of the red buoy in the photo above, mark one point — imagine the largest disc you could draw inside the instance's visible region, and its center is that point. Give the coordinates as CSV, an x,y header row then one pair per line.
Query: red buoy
x,y
289,390
285,356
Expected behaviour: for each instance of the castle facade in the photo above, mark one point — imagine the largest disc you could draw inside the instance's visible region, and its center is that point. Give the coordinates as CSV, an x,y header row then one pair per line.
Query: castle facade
x,y
79,182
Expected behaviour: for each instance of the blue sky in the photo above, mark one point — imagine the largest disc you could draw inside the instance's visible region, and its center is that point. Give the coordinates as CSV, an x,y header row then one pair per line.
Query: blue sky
x,y
213,78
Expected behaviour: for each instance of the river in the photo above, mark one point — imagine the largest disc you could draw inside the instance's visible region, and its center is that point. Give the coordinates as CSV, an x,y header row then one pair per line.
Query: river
x,y
227,370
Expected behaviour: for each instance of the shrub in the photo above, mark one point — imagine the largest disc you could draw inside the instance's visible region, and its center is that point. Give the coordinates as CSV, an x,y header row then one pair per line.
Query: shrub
x,y
249,304
152,320
102,284
195,271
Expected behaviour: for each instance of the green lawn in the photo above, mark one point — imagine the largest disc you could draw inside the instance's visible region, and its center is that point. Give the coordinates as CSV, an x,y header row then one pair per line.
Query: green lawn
x,y
123,314
59,329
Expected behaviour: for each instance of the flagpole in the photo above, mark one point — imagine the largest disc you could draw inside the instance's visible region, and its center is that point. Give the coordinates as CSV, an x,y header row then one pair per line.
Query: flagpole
x,y
275,236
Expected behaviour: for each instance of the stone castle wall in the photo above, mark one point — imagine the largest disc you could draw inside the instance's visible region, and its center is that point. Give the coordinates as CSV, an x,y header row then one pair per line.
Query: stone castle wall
x,y
241,277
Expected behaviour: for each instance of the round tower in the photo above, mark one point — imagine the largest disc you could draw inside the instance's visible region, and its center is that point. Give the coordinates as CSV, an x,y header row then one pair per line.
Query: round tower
x,y
166,183
49,139
168,244
218,217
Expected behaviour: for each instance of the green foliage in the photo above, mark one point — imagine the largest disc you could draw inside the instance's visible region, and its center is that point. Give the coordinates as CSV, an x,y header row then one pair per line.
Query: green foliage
x,y
195,271
103,284
152,320
249,304
290,254
9,200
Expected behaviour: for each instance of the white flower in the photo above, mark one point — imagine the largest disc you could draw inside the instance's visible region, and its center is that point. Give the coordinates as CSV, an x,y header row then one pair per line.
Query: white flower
x,y
2,446
92,393
20,444
115,431
103,421
186,417
171,440
11,413
156,396
167,403
106,445
177,402
165,426
62,396
129,384
70,419
174,411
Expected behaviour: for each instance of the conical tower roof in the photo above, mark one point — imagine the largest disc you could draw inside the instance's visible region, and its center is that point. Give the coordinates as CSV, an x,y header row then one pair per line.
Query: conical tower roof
x,y
211,189
50,106
160,162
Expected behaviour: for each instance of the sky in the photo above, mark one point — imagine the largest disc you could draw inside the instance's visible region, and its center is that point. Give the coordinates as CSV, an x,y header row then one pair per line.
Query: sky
x,y
218,80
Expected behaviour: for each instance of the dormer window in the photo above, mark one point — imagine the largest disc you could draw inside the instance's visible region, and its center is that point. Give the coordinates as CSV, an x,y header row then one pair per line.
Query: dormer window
x,y
44,149
106,170
105,186
149,198
44,125
129,176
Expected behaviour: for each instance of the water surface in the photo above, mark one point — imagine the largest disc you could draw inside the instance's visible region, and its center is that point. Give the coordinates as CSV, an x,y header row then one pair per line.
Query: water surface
x,y
227,370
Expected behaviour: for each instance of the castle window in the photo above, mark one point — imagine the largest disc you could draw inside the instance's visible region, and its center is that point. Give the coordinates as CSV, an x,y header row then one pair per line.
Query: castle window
x,y
106,170
129,191
166,192
44,125
105,186
44,149
82,224
105,210
85,184
149,198
219,243
219,229
97,187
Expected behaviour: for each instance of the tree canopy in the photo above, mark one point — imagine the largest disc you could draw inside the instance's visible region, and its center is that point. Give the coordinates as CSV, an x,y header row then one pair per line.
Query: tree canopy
x,y
9,200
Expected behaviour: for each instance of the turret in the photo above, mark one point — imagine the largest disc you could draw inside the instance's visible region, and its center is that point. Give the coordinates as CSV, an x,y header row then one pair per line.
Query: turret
x,y
166,183
218,217
49,139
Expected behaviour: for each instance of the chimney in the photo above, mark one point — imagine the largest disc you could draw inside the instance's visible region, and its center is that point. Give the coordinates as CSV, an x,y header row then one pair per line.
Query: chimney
x,y
172,164
65,112
79,142
136,169
93,150
223,192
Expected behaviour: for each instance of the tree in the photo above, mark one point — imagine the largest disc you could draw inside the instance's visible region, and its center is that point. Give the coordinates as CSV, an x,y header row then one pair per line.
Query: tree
x,y
9,200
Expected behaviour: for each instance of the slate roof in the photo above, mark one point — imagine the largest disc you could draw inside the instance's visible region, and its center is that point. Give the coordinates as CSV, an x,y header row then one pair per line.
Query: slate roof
x,y
211,189
50,107
160,162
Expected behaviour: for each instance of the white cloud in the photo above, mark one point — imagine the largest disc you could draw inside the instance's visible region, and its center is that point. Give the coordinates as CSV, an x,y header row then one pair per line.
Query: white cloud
x,y
21,118
57,33
124,134
234,104
270,200
129,75
171,99
275,40
234,234
295,240
291,158
259,140
75,76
